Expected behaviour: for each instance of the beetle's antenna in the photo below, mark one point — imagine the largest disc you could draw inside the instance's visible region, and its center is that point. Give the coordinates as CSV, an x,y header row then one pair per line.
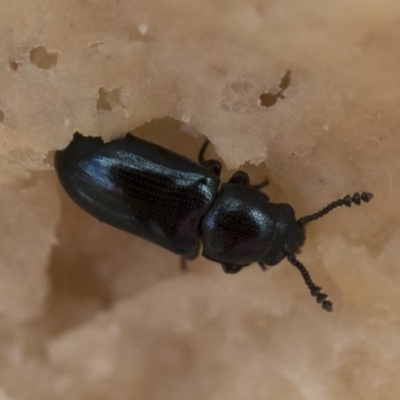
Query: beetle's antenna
x,y
346,201
315,290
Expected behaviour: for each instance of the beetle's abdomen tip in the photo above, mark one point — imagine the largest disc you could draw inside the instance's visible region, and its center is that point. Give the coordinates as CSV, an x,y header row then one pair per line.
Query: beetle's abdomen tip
x,y
80,146
77,135
79,139
367,196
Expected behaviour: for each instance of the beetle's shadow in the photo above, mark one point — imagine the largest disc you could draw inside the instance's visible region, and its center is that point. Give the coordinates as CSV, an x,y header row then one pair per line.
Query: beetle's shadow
x,y
94,265
182,139
172,134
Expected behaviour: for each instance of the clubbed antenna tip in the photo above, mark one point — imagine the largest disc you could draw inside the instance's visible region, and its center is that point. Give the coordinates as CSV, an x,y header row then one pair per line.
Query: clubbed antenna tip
x,y
357,199
315,291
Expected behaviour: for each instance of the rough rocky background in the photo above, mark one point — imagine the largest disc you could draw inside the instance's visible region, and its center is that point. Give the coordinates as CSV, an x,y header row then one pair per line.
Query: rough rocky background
x,y
91,313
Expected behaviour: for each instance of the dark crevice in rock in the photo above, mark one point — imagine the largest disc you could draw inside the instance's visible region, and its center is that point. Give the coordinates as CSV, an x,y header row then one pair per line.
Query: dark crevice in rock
x,y
269,99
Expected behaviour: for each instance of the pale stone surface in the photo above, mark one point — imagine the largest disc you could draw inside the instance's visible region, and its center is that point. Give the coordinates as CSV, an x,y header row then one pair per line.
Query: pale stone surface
x,y
103,315
3,395
29,217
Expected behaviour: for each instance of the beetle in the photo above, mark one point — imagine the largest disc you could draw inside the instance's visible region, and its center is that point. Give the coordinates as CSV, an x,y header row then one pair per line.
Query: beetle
x,y
178,204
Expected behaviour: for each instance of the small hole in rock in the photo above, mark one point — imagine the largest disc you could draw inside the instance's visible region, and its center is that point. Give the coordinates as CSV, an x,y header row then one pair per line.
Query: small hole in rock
x,y
95,45
2,116
270,99
107,99
42,58
13,65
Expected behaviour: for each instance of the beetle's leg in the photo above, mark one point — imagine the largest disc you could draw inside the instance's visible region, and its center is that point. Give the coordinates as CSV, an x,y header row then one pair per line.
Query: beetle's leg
x,y
184,259
346,201
202,151
242,178
262,266
212,165
184,267
261,185
231,268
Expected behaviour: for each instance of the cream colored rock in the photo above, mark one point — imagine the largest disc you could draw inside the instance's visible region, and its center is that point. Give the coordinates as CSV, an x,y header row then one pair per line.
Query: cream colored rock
x,y
104,315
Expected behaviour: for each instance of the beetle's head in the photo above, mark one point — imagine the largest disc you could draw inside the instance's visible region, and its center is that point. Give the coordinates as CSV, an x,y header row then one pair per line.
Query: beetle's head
x,y
287,238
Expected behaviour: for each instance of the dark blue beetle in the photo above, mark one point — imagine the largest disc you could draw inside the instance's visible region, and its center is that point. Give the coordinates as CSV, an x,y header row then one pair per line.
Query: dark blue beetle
x,y
163,197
